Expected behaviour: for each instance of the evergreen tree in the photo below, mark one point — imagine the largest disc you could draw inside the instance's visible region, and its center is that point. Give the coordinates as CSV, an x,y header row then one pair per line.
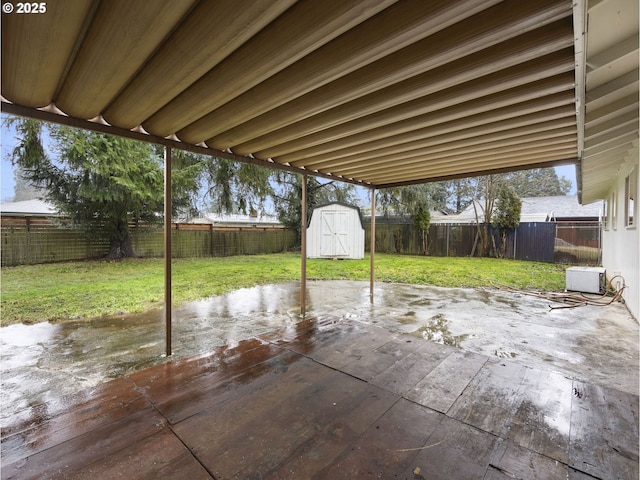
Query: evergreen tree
x,y
235,187
101,182
485,193
539,182
422,221
23,189
506,216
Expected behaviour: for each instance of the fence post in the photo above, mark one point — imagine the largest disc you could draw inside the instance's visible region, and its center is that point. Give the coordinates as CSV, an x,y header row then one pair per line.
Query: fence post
x,y
600,241
448,230
211,239
28,235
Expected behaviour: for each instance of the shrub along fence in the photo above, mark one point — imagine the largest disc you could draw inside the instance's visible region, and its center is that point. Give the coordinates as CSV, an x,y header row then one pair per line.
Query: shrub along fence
x,y
35,240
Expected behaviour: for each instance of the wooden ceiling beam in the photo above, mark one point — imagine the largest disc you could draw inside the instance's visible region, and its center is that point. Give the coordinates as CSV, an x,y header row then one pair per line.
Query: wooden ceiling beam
x,y
532,124
468,78
627,122
47,115
513,168
36,49
538,96
224,128
384,32
609,141
463,156
523,162
603,160
508,64
97,73
195,48
612,110
468,146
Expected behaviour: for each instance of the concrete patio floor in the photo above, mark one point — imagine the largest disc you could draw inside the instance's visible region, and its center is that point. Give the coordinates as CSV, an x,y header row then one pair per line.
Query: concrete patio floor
x,y
389,390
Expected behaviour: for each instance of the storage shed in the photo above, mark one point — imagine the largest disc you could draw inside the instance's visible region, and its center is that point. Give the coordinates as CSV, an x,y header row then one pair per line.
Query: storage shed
x,y
335,231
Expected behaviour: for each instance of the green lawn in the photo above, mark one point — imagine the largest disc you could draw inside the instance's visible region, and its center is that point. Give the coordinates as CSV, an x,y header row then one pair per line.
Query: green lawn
x,y
85,289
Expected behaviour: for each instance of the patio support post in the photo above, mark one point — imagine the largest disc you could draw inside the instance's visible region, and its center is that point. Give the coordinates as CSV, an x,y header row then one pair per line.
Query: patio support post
x,y
167,248
303,248
372,244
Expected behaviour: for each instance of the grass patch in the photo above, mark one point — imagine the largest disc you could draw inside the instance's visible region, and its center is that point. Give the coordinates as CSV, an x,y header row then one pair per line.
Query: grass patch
x,y
55,292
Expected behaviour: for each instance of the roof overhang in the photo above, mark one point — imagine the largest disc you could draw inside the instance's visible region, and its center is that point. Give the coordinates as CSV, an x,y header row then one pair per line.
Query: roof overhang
x,y
373,92
607,65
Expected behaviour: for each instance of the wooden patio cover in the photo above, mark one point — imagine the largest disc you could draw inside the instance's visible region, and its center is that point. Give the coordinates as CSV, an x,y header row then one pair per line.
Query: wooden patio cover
x,y
373,92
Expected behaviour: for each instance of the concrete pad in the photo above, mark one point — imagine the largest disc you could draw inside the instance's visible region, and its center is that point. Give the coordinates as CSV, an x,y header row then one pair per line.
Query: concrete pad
x,y
264,410
44,362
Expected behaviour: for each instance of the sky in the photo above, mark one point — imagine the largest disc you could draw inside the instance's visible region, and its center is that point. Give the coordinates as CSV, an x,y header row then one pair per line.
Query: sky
x,y
6,170
8,142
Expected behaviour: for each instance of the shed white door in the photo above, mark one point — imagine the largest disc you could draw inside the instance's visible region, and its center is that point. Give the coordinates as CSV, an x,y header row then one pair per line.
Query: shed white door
x,y
335,234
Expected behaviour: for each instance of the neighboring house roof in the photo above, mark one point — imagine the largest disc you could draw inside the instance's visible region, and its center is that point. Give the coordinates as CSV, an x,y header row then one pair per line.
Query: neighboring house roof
x,y
29,208
536,209
562,207
229,219
43,209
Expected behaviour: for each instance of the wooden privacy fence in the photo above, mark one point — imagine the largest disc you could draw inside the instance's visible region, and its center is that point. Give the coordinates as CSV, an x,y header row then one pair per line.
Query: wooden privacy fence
x,y
560,242
38,241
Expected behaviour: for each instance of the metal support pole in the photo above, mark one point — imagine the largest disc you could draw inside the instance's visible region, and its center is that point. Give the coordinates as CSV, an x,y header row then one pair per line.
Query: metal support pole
x,y
303,248
372,244
167,248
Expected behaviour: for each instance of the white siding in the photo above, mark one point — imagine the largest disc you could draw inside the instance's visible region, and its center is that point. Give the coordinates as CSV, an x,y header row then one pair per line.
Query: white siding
x,y
335,231
621,244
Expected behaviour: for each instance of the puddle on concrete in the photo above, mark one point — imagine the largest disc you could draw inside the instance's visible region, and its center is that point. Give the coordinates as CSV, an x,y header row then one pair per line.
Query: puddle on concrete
x,y
408,318
43,362
505,354
436,330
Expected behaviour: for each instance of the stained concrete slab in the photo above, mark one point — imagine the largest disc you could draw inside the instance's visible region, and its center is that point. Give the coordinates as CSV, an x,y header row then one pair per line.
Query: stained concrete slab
x,y
598,345
280,406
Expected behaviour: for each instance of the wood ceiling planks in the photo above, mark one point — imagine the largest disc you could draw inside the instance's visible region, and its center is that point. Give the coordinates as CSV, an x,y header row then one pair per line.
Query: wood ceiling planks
x,y
333,88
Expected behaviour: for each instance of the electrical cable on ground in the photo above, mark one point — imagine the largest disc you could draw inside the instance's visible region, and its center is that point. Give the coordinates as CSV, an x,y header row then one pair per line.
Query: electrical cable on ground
x,y
573,300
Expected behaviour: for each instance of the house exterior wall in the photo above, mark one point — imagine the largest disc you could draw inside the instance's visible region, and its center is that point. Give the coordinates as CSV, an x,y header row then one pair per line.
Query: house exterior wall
x,y
335,231
621,243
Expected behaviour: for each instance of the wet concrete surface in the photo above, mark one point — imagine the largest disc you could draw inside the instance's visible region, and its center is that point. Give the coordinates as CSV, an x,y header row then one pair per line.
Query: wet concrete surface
x,y
334,398
44,362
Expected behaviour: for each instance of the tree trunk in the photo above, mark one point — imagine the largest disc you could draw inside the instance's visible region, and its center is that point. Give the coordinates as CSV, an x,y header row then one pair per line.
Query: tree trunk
x,y
121,248
423,236
503,244
121,245
484,240
496,251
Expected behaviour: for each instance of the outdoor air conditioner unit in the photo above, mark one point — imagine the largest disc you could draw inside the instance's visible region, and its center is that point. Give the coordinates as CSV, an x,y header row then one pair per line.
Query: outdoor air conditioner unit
x,y
586,279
